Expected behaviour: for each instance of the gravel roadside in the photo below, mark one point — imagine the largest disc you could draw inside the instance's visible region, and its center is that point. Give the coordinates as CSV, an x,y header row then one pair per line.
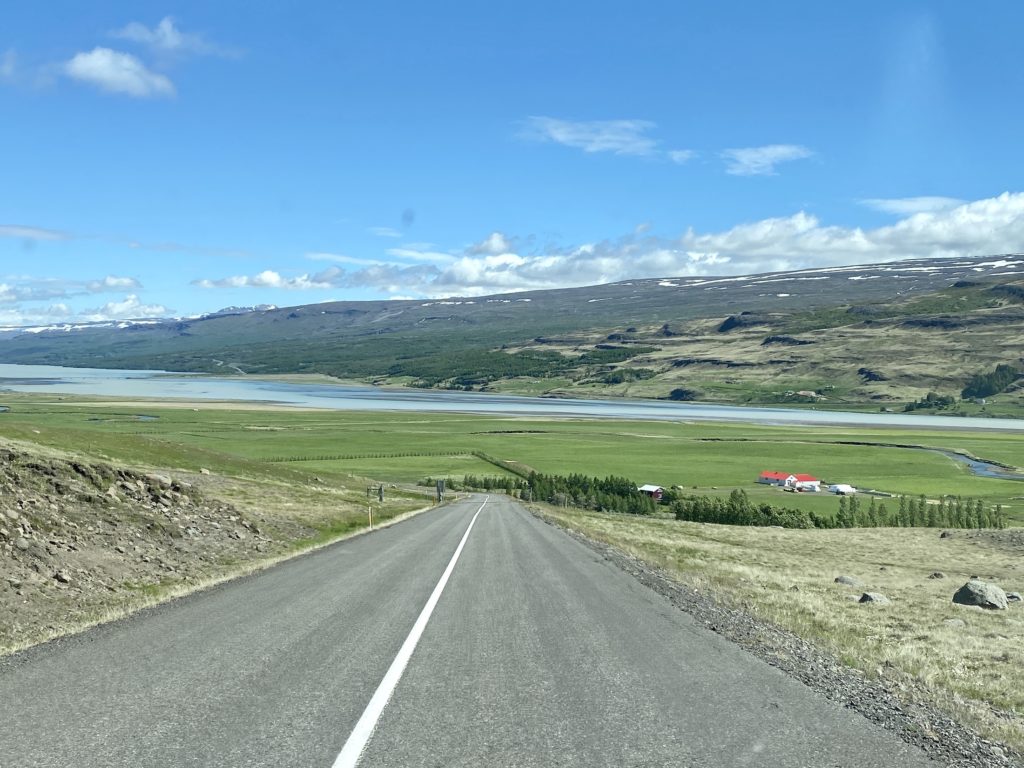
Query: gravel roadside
x,y
915,721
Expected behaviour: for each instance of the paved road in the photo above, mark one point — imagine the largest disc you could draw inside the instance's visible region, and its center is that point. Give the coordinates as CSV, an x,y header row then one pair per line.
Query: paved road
x,y
538,653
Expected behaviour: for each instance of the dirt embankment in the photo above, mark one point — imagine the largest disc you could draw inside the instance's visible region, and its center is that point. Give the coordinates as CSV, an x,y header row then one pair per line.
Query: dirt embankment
x,y
79,540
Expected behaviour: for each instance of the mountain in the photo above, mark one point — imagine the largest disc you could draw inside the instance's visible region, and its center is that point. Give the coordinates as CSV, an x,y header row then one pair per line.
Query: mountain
x,y
240,310
10,331
859,334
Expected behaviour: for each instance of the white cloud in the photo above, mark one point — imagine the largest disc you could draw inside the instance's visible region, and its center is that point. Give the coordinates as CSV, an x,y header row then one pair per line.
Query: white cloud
x,y
28,300
31,233
384,232
165,37
621,137
339,258
500,263
113,283
129,308
271,279
761,161
681,156
118,72
632,137
28,288
494,243
15,316
906,206
419,254
800,241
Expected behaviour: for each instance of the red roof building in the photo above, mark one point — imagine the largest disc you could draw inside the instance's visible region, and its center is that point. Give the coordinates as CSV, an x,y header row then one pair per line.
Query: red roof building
x,y
788,480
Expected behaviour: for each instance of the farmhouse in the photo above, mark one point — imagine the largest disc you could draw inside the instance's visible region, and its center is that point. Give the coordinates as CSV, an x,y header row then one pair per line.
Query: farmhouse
x,y
654,491
773,478
789,480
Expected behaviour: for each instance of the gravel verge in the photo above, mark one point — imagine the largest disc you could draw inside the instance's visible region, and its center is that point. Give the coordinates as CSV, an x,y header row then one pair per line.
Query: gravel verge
x,y
917,722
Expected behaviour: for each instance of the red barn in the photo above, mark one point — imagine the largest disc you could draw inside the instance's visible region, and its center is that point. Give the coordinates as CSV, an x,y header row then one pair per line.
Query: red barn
x,y
773,478
654,491
789,480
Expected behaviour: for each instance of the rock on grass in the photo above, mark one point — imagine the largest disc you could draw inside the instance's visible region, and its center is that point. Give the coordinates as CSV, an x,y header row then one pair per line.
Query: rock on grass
x,y
982,594
874,597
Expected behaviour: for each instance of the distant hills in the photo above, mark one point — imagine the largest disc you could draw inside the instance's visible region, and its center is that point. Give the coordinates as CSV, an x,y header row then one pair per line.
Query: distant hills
x,y
240,310
9,332
881,335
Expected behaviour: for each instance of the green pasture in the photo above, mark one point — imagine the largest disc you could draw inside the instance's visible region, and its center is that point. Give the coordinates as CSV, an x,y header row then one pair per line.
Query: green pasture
x,y
404,447
405,469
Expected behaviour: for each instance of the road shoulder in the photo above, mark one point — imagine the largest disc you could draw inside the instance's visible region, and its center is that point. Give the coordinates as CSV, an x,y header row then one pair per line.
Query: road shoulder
x,y
915,722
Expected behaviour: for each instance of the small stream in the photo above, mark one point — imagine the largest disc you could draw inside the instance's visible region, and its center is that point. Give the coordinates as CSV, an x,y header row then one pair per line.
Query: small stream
x,y
979,467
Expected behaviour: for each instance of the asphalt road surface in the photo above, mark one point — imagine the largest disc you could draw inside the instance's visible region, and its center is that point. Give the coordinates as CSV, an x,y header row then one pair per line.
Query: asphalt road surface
x,y
528,649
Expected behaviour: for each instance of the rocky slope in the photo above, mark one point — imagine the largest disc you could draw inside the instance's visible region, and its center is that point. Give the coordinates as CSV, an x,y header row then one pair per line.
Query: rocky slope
x,y
79,539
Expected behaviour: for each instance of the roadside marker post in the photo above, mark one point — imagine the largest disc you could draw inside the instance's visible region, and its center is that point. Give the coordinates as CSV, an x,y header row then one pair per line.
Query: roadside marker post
x,y
369,512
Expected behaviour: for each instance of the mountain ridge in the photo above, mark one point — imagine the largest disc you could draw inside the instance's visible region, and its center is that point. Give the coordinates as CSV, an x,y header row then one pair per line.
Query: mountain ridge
x,y
643,337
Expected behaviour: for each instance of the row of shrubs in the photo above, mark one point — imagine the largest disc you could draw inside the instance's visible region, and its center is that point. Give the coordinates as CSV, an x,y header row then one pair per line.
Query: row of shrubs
x,y
618,494
738,509
610,494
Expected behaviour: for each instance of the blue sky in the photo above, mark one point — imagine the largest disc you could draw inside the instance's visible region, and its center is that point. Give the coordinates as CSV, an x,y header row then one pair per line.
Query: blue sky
x,y
174,158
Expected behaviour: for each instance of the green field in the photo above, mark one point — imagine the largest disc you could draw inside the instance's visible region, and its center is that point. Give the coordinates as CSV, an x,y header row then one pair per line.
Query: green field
x,y
295,446
303,475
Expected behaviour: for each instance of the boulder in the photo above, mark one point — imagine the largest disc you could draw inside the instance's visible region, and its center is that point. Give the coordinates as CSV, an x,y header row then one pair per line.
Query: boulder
x,y
163,481
937,575
982,594
1013,597
848,581
874,597
946,535
956,623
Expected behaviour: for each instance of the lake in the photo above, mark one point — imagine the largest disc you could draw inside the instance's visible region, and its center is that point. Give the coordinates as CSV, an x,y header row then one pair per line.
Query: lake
x,y
164,385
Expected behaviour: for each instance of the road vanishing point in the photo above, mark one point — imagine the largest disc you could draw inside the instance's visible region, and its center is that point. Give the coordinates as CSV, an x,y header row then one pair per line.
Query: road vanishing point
x,y
470,635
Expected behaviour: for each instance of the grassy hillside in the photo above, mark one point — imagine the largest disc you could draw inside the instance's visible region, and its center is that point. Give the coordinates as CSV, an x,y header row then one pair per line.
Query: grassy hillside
x,y
923,647
883,355
873,336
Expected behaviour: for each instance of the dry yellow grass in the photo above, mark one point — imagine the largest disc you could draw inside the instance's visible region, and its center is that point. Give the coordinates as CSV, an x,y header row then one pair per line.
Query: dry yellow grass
x,y
974,672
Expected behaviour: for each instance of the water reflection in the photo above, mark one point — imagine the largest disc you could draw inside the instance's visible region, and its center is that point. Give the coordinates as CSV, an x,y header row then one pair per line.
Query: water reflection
x,y
163,385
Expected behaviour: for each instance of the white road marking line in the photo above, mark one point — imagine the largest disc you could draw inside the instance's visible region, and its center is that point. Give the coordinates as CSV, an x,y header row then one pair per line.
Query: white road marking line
x,y
360,736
